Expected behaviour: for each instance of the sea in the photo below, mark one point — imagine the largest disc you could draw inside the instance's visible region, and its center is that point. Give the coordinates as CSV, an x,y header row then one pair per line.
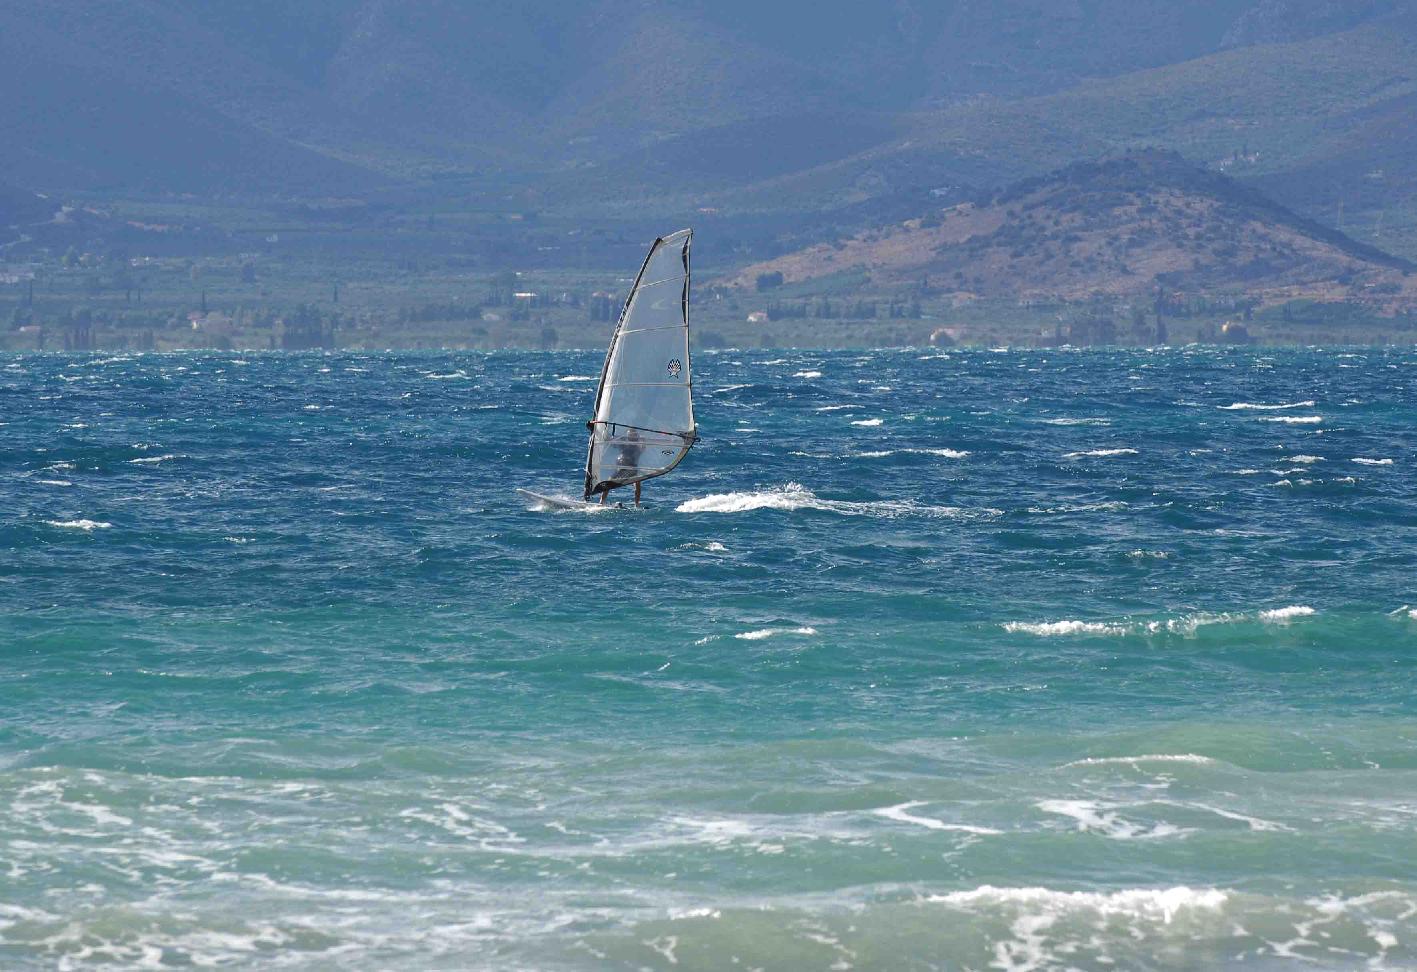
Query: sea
x,y
922,659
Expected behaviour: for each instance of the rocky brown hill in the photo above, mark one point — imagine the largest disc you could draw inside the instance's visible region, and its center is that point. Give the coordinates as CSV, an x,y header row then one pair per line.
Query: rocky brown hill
x,y
1124,226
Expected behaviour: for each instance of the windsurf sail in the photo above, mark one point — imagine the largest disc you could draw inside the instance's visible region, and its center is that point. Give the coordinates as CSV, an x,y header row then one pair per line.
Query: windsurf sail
x,y
644,412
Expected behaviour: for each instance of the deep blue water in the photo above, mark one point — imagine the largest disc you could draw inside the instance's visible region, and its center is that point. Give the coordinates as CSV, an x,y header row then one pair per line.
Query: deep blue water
x,y
920,660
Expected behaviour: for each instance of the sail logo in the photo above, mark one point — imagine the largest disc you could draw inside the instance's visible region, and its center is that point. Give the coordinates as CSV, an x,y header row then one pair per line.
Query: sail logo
x,y
675,367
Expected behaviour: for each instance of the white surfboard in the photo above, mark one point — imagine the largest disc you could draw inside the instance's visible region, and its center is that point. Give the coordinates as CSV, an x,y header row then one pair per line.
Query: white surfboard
x,y
552,502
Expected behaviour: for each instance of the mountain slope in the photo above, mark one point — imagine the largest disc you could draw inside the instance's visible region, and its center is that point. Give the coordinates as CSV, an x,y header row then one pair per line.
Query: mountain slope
x,y
310,95
1124,226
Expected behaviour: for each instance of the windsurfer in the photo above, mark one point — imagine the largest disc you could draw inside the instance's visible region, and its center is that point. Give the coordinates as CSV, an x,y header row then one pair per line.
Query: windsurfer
x,y
627,462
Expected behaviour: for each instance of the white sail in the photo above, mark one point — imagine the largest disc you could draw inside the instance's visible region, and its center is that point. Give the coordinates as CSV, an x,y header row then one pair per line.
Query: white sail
x,y
644,413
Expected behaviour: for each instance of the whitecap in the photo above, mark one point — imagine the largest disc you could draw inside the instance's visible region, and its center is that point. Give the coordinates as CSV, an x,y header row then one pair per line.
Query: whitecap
x,y
1100,453
1373,462
1047,629
1295,419
86,525
1146,758
1091,816
807,374
1077,421
577,378
1159,903
1305,459
793,496
152,460
901,813
835,408
1255,406
868,423
1281,615
444,377
762,633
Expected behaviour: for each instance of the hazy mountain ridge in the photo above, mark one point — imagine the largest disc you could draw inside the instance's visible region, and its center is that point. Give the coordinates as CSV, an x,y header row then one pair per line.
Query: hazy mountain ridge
x,y
342,90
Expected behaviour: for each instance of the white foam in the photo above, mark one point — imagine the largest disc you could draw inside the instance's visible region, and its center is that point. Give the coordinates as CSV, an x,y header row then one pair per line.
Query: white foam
x,y
1185,625
1077,421
1295,419
445,377
1049,628
54,482
942,453
762,633
868,423
1255,406
577,378
835,408
1305,459
1155,903
807,374
901,812
1280,615
85,525
1101,453
1091,816
793,496
1373,462
1254,823
1146,758
154,460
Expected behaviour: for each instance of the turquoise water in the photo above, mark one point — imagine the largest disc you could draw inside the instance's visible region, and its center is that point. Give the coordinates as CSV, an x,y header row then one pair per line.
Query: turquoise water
x,y
974,660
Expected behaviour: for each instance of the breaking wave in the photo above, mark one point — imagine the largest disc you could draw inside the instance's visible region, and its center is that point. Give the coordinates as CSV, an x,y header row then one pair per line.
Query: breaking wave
x,y
794,496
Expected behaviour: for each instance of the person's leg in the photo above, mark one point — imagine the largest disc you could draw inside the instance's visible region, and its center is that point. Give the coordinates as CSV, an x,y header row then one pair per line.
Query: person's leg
x,y
637,494
603,494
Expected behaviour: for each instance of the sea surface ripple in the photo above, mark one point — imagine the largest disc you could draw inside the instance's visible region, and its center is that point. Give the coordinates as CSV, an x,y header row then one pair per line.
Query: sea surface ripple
x,y
921,660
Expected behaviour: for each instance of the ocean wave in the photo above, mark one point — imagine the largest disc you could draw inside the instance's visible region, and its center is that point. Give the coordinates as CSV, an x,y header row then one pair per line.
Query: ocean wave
x,y
761,633
1305,459
901,814
577,378
807,374
794,496
1076,421
868,423
1258,407
1373,462
1093,816
1100,453
87,526
1146,758
1294,419
836,408
154,460
1283,614
942,453
1185,624
1047,629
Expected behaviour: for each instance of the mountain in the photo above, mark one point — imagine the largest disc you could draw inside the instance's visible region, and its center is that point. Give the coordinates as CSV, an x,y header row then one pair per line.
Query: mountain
x,y
1124,226
20,206
660,108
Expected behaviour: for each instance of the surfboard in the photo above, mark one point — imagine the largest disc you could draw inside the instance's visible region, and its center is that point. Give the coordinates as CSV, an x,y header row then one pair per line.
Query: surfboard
x,y
555,502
